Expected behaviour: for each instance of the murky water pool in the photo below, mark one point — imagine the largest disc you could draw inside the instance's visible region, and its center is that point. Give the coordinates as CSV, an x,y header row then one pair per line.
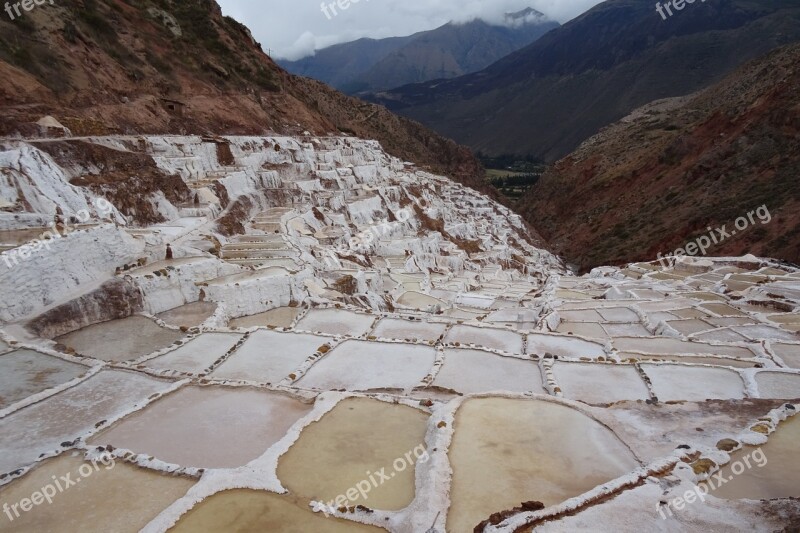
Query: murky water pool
x,y
358,436
121,340
248,511
207,427
505,452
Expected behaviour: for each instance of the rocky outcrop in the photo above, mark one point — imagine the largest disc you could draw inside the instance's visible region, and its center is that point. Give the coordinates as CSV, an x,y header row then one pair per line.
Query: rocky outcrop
x,y
113,300
675,170
181,67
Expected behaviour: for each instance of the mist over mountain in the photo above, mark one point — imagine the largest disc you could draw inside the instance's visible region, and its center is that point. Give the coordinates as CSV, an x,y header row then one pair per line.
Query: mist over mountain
x,y
547,98
449,51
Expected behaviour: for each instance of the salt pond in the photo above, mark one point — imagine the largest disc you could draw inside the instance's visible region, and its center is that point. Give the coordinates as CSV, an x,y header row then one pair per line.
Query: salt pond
x,y
42,427
197,355
775,475
505,452
600,384
474,371
246,511
357,436
121,340
212,427
189,315
98,503
360,365
24,373
282,317
269,356
336,322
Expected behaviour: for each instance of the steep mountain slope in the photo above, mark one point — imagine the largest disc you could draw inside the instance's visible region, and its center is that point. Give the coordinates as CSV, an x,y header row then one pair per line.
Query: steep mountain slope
x,y
445,52
545,99
168,66
339,65
658,179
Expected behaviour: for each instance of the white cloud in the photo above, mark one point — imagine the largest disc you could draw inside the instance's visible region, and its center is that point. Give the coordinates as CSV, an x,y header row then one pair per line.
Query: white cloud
x,y
295,29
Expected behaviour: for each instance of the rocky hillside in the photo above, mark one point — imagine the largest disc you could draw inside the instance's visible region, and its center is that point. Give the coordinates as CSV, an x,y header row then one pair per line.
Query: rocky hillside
x,y
547,98
658,179
446,52
167,66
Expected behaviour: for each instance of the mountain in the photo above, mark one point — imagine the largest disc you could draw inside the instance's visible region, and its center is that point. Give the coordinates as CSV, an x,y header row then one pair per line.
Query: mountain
x,y
660,178
446,52
166,66
547,98
341,64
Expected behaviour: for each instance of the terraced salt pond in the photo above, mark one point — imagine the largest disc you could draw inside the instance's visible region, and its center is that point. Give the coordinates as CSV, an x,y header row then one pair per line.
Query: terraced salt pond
x,y
97,503
395,328
269,356
694,383
282,317
474,371
789,353
361,366
773,473
121,340
496,339
197,355
539,344
778,385
24,373
600,384
207,427
336,322
42,427
189,315
417,300
667,346
320,395
358,436
506,451
244,511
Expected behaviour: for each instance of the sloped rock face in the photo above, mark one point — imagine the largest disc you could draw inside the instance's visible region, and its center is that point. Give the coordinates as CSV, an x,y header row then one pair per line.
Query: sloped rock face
x,y
130,180
60,268
113,300
125,69
656,180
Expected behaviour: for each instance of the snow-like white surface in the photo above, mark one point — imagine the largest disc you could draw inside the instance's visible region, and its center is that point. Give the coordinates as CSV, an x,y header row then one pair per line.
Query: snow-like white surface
x,y
335,322
474,371
540,344
197,355
358,365
318,212
24,373
600,384
495,339
269,356
43,427
675,383
394,328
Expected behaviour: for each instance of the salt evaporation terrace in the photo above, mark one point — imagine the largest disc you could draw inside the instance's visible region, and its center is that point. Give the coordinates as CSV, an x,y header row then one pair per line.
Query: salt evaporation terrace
x,y
326,312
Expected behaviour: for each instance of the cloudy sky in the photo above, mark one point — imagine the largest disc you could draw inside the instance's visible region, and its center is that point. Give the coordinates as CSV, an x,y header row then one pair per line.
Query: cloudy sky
x,y
295,28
